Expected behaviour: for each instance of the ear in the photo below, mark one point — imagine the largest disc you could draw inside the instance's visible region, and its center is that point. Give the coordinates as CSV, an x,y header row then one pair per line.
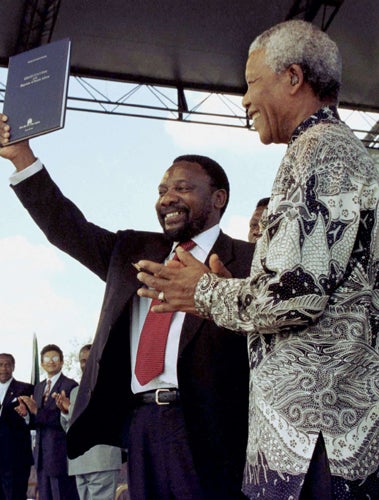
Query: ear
x,y
296,77
219,198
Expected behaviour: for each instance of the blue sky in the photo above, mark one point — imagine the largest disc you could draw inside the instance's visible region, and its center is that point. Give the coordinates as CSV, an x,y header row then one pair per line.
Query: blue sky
x,y
110,166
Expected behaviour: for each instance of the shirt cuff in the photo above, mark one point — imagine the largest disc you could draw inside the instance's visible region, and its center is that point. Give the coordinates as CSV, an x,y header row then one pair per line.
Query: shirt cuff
x,y
65,416
20,176
203,294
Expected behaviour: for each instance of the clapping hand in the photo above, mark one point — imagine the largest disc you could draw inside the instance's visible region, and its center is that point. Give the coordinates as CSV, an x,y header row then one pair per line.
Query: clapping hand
x,y
174,284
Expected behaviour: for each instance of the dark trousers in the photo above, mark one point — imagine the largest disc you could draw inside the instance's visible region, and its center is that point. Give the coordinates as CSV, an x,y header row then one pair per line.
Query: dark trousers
x,y
14,483
319,484
56,487
318,480
160,464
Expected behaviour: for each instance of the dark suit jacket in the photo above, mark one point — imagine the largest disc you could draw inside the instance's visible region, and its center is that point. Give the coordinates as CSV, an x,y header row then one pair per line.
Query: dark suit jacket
x,y
212,365
50,452
15,442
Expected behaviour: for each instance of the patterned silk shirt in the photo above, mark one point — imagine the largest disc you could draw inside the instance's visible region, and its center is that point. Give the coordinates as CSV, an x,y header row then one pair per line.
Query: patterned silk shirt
x,y
310,309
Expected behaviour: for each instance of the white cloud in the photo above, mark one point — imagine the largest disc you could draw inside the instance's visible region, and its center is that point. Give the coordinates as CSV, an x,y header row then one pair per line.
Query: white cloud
x,y
213,107
237,226
31,300
26,271
189,137
17,250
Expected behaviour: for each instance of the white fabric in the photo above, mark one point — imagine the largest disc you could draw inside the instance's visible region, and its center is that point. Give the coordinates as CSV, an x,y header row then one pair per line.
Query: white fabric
x,y
17,177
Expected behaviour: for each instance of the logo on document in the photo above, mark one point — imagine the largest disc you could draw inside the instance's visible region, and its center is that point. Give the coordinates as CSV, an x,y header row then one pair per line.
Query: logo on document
x,y
29,124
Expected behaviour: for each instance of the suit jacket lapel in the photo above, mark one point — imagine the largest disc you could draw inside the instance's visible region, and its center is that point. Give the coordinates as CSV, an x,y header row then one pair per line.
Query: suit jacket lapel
x,y
57,386
191,325
54,388
155,247
39,390
10,394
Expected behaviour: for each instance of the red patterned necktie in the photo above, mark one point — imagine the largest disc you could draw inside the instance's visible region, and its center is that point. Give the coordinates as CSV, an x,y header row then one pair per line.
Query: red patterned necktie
x,y
153,339
47,391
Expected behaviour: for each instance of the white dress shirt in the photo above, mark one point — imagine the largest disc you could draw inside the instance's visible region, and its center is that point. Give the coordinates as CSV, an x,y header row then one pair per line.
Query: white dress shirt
x,y
17,177
54,379
3,390
204,243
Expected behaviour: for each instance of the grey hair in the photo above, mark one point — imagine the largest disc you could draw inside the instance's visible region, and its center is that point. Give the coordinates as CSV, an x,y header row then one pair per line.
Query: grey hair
x,y
302,43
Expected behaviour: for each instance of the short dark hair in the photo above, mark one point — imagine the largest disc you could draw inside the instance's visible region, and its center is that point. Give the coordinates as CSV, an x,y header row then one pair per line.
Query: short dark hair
x,y
214,171
86,347
10,356
51,347
263,202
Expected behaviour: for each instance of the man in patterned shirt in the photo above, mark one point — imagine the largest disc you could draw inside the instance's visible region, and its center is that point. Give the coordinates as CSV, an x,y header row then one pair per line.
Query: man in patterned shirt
x,y
310,308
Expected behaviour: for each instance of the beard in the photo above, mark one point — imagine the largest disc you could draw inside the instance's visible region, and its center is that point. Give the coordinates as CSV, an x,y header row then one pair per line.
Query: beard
x,y
189,228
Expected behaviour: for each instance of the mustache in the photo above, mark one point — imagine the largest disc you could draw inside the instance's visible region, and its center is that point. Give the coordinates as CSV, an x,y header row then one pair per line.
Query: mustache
x,y
173,208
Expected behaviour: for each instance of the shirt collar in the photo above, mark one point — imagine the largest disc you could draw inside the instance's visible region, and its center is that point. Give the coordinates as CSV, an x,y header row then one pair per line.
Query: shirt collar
x,y
205,240
5,385
326,114
3,389
55,378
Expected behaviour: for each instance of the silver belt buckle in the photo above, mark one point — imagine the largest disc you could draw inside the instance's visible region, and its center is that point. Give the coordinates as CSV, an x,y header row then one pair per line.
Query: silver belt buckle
x,y
157,392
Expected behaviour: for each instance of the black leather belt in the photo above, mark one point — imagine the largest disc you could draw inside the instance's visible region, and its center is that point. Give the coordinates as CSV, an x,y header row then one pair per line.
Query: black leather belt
x,y
158,396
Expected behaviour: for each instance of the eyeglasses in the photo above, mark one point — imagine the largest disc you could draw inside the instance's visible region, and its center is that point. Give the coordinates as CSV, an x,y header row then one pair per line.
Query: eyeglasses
x,y
51,359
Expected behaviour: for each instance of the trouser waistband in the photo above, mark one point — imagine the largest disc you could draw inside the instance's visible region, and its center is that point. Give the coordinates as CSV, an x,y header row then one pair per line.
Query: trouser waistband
x,y
158,396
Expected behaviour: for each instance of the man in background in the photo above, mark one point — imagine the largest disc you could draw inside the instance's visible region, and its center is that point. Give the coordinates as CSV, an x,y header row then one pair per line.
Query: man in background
x,y
97,470
16,456
255,225
50,452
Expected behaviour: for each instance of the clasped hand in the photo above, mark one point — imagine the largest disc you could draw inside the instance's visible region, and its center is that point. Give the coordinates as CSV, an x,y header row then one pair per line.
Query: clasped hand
x,y
177,280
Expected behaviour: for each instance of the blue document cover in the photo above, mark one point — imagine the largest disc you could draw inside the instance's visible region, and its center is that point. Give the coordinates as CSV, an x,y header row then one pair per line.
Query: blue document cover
x,y
36,90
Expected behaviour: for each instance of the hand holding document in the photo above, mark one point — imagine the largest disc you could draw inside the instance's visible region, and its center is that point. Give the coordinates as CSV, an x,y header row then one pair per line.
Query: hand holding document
x,y
36,90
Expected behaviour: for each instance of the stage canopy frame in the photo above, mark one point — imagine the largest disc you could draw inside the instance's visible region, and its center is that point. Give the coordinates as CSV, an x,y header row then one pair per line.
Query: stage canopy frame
x,y
184,59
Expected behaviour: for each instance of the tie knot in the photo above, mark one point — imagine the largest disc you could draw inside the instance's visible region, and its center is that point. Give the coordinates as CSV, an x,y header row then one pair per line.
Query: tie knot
x,y
187,245
46,391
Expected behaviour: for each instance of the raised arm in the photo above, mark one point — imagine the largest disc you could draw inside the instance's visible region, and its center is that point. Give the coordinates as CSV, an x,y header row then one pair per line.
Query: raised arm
x,y
20,154
64,225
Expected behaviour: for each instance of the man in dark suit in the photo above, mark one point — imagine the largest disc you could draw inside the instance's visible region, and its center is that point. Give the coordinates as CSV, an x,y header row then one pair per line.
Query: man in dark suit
x,y
185,429
50,452
15,444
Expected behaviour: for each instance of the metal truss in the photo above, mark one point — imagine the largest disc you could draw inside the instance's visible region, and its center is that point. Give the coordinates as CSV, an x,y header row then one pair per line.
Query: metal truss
x,y
309,9
197,107
169,103
38,21
157,102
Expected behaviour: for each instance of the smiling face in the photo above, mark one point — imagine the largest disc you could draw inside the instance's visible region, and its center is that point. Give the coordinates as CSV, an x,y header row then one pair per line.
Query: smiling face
x,y
266,100
188,204
52,363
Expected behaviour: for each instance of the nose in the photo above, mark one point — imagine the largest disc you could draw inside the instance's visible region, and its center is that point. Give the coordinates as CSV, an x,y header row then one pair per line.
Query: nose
x,y
170,196
246,101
